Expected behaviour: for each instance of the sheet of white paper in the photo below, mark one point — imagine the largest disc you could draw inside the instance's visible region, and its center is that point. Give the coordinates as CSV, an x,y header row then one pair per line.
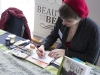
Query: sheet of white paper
x,y
47,59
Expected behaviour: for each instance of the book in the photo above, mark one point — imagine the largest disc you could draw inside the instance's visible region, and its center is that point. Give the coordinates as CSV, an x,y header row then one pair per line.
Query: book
x,y
69,66
30,54
78,60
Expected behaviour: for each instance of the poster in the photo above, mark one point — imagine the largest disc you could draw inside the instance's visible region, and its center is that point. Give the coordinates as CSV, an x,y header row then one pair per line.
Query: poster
x,y
46,14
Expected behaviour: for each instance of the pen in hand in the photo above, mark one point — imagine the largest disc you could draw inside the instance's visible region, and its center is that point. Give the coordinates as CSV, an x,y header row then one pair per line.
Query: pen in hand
x,y
38,49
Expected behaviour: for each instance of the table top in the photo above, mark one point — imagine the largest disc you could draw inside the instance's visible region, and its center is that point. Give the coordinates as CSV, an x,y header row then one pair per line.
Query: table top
x,y
11,65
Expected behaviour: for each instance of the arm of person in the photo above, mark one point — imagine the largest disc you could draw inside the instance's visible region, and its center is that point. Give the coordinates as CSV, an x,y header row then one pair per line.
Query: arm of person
x,y
49,40
52,37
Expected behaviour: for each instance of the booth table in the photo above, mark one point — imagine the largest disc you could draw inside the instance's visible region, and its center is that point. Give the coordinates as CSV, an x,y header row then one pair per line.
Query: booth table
x,y
11,65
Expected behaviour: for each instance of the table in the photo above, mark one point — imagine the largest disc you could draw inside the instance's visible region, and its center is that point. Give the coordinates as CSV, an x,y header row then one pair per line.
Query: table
x,y
11,65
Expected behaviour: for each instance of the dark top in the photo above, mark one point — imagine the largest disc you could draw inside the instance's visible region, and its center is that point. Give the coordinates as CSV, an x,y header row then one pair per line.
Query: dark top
x,y
85,44
68,44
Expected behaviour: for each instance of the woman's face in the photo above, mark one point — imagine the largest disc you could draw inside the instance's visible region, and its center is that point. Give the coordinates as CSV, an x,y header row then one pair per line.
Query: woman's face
x,y
70,22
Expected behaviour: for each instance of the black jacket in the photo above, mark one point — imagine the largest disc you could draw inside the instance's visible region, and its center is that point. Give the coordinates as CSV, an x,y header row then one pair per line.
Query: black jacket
x,y
85,44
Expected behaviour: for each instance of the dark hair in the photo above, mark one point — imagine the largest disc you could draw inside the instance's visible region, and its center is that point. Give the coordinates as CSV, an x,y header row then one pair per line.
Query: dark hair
x,y
66,12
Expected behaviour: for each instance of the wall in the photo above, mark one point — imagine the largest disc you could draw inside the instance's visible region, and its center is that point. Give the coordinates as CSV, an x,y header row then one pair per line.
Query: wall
x,y
94,10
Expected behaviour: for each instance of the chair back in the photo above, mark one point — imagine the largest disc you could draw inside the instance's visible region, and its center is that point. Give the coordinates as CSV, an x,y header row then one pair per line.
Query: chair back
x,y
15,26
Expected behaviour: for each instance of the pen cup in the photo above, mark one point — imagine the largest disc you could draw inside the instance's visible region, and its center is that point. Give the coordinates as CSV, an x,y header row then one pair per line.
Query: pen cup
x,y
12,38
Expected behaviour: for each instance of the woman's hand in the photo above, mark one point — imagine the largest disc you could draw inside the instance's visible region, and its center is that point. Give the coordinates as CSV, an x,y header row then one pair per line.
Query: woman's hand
x,y
56,53
40,51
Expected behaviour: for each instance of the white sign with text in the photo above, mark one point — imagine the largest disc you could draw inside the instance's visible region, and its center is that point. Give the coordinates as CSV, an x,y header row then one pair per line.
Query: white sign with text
x,y
46,14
